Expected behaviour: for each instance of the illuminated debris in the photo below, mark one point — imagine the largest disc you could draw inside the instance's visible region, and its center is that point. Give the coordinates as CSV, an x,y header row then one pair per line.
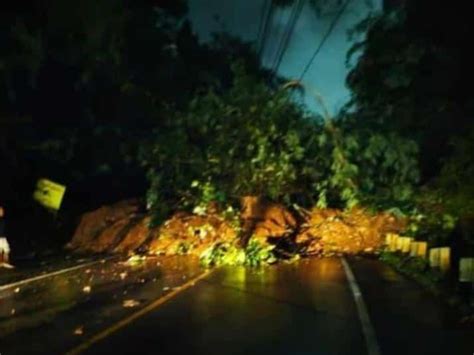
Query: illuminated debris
x,y
135,260
94,223
79,330
109,237
354,231
135,237
86,289
263,219
309,244
191,234
217,237
130,303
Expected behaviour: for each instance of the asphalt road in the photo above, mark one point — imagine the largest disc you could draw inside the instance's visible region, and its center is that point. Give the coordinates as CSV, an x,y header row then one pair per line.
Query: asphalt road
x,y
172,306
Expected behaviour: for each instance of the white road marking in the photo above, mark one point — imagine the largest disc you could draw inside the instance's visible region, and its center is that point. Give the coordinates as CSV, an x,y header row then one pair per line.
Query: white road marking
x,y
367,327
44,276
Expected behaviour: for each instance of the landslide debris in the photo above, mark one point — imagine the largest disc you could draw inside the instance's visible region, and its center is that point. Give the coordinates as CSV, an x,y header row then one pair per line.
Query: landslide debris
x,y
261,231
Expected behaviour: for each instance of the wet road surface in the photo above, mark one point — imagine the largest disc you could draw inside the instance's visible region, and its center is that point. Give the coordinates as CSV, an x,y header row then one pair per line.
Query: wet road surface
x,y
52,315
300,308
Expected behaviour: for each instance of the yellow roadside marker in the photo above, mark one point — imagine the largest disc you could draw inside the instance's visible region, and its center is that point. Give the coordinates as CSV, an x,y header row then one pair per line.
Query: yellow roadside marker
x,y
421,250
434,257
445,259
440,258
406,242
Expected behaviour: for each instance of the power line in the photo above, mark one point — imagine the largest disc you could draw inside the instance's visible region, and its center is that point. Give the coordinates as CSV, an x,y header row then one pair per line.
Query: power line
x,y
284,35
292,25
326,36
261,26
266,26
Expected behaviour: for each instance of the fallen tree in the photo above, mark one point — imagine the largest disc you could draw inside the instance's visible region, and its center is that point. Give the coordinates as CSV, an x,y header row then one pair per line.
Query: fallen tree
x,y
260,232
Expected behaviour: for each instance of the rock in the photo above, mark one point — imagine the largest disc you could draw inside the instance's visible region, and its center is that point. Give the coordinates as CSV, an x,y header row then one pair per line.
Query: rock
x,y
262,219
136,236
110,237
94,223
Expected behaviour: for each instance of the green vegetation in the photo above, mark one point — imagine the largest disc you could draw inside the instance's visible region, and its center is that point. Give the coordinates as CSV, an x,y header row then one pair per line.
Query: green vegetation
x,y
409,81
254,254
253,140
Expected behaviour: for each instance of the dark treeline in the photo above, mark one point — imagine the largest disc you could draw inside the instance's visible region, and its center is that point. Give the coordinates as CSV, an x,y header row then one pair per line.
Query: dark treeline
x,y
81,85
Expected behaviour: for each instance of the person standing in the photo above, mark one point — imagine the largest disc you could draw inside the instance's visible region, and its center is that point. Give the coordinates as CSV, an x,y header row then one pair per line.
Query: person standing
x,y
4,246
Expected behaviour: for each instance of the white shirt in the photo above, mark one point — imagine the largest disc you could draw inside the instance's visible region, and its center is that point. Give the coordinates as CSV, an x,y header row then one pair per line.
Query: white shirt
x,y
4,246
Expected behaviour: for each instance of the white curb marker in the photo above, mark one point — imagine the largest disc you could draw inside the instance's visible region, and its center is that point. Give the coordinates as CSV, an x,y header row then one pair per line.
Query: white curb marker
x,y
367,327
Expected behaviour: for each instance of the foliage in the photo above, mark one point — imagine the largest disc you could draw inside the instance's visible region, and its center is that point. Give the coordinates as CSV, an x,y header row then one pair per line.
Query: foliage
x,y
407,82
409,74
206,193
368,167
448,198
222,253
453,183
254,254
252,140
248,141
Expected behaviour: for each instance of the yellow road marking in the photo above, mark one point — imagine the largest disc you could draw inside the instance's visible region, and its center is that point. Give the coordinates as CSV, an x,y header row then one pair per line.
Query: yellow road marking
x,y
124,322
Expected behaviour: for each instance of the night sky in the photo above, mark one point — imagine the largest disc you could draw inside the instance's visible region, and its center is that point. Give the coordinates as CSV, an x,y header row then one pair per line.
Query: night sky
x,y
327,74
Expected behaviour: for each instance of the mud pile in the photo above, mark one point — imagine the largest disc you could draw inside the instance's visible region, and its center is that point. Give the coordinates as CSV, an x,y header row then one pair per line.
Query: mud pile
x,y
191,234
121,228
352,232
99,230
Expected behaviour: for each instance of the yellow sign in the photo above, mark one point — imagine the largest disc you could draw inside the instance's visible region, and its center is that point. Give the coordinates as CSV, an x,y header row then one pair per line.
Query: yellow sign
x,y
49,194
